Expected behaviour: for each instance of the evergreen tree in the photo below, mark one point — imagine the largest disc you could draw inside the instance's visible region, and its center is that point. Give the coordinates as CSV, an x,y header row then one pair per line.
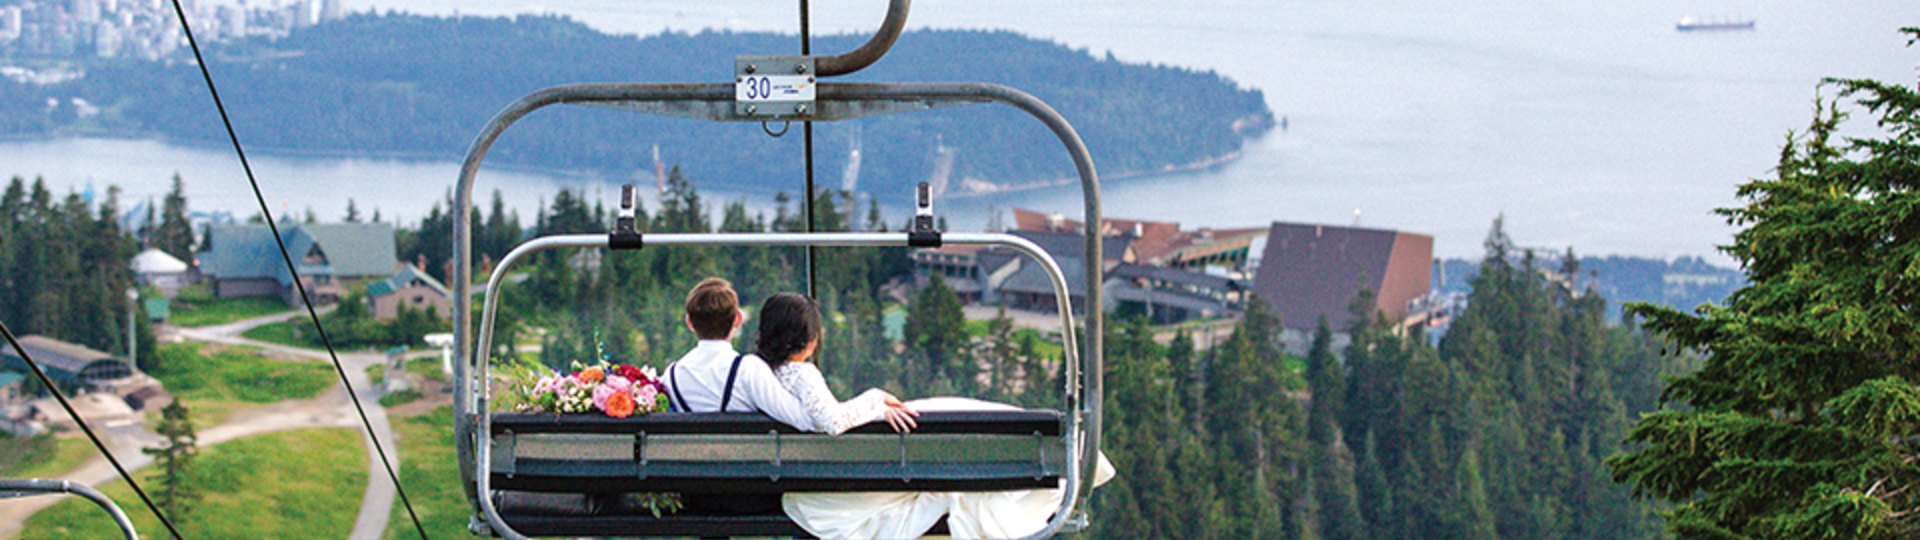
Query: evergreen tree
x,y
432,242
501,231
1252,418
174,235
1326,381
1142,493
148,225
177,492
1337,511
937,335
14,230
998,355
682,211
1800,423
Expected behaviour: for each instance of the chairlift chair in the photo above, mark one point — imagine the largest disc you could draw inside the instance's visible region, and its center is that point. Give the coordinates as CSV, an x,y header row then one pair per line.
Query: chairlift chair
x,y
514,466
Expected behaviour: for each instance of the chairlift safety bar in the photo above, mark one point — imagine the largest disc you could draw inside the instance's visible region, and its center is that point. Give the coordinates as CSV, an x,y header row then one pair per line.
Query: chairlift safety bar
x,y
30,486
485,461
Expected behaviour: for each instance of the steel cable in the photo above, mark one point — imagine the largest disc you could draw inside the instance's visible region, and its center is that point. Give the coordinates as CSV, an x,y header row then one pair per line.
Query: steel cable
x,y
312,314
82,422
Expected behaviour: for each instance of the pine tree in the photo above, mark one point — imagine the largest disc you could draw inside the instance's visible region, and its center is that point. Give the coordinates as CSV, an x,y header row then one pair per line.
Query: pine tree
x,y
1800,423
13,229
1327,382
937,336
501,231
999,357
177,493
1135,437
1255,426
174,235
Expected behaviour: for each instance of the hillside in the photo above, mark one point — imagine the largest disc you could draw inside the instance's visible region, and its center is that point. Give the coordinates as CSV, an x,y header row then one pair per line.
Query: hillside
x,y
421,87
1683,283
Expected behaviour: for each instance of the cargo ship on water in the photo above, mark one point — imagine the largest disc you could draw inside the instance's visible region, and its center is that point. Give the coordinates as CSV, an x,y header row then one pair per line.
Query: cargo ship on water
x,y
1690,24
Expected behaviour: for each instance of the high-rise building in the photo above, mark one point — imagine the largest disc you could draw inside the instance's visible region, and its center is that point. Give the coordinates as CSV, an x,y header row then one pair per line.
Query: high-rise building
x,y
11,22
87,11
300,13
234,19
106,40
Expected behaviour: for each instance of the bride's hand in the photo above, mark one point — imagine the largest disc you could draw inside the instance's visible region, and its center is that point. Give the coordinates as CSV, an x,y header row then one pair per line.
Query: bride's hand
x,y
901,418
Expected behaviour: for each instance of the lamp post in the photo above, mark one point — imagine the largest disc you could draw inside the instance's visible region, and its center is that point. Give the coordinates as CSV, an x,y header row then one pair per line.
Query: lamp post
x,y
133,343
445,343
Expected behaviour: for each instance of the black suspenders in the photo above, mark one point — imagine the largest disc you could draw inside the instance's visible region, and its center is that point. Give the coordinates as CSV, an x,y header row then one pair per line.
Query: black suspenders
x,y
726,395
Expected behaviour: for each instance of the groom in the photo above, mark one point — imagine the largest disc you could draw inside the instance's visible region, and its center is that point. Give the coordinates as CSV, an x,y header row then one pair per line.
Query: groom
x,y
715,378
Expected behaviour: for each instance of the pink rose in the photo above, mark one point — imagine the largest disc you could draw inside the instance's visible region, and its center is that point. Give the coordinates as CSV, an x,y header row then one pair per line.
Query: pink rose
x,y
601,393
645,394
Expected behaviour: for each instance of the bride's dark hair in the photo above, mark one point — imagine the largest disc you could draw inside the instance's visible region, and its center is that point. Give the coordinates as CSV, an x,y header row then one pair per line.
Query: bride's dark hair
x,y
788,322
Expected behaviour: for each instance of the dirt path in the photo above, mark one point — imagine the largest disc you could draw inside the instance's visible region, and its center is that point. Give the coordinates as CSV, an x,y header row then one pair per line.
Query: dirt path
x,y
331,409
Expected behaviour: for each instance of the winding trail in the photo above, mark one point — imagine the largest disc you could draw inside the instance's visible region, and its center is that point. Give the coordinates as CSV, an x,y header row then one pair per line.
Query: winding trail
x,y
331,409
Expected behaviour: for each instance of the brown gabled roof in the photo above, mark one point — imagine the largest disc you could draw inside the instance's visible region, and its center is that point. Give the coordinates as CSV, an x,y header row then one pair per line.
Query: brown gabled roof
x,y
1309,271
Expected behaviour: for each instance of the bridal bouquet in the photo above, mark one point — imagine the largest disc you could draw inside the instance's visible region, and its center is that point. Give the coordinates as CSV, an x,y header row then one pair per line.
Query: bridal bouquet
x,y
615,390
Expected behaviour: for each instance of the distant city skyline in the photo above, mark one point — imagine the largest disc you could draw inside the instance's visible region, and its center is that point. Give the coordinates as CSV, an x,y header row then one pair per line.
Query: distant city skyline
x,y
142,28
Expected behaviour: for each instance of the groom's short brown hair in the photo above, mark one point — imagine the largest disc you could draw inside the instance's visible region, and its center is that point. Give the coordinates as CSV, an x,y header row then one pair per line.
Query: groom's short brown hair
x,y
711,307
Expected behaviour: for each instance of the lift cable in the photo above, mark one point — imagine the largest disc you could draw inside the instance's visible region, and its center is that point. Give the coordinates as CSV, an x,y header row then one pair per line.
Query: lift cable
x,y
267,213
82,422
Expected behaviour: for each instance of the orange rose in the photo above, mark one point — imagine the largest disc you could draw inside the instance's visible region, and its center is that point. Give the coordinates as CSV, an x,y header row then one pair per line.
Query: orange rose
x,y
620,405
592,374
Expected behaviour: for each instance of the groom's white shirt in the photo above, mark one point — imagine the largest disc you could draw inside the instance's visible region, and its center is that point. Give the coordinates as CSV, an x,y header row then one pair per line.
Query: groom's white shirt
x,y
701,376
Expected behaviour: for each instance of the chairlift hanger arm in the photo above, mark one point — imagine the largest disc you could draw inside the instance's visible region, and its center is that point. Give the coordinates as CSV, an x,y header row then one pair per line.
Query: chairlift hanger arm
x,y
873,49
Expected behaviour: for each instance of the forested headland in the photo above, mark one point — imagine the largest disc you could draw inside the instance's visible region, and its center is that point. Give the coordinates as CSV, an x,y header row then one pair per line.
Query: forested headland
x,y
1685,282
420,86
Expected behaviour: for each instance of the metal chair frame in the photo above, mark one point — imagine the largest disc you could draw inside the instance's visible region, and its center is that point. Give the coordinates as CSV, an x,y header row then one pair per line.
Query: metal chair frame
x,y
1082,386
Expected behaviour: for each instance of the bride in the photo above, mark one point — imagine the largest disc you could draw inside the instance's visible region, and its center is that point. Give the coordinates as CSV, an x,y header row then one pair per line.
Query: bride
x,y
790,331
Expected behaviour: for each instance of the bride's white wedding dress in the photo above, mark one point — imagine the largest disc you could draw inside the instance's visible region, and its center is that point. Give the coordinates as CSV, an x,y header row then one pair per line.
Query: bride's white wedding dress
x,y
983,514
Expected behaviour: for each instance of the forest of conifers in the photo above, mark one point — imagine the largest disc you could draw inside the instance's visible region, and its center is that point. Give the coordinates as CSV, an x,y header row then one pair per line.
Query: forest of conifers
x,y
1497,431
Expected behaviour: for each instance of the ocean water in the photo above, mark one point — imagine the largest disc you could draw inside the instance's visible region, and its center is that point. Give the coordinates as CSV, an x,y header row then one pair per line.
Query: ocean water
x,y
1591,125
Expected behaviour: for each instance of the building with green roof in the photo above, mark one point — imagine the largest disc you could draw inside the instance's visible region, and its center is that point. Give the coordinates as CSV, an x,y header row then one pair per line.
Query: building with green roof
x,y
411,288
70,366
244,260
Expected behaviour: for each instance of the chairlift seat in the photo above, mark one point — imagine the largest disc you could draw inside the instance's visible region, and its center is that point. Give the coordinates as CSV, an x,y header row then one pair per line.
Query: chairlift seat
x,y
560,475
752,453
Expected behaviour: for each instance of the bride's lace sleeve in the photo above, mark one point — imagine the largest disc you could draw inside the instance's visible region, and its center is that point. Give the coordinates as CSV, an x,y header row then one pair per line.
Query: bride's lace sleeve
x,y
829,415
